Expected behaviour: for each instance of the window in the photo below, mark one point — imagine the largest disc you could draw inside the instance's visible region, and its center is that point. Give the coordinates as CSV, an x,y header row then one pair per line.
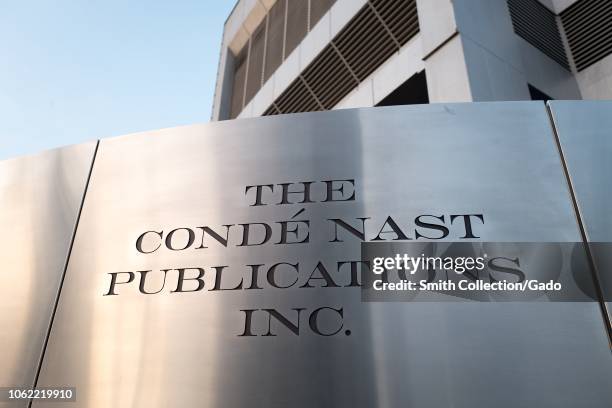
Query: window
x,y
413,91
537,95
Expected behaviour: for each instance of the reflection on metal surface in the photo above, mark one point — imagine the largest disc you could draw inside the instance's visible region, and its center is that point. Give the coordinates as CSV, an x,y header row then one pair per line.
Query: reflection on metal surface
x,y
584,130
187,287
40,197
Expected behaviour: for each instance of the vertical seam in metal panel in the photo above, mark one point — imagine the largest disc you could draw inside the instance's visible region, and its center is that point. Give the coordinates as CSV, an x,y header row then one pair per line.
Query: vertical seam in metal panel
x,y
585,243
61,284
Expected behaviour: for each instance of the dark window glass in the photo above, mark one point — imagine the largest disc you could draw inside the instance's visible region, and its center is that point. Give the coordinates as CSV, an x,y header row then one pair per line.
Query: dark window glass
x,y
537,95
413,91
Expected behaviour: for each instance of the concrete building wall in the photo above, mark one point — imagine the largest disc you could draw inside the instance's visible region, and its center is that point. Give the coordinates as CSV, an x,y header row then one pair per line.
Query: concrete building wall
x,y
557,6
595,82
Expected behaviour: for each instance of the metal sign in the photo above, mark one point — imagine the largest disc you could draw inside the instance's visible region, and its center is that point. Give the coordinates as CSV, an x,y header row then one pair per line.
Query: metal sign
x,y
220,265
40,198
585,136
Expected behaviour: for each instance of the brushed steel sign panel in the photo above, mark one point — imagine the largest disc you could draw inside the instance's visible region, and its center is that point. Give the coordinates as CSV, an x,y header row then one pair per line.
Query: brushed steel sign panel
x,y
217,265
40,197
585,134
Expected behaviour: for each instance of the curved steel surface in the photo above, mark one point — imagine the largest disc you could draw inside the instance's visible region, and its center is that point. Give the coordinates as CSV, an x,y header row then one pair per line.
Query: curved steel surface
x,y
226,344
584,129
40,197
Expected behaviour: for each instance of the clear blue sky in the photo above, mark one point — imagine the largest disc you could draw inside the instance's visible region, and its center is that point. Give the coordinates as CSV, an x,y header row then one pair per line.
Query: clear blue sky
x,y
75,70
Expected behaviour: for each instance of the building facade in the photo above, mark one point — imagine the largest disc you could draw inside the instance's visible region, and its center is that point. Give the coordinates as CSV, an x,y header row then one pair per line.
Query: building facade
x,y
287,56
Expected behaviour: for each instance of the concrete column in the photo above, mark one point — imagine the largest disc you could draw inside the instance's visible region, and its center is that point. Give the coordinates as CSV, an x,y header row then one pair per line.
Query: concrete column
x,y
445,68
470,51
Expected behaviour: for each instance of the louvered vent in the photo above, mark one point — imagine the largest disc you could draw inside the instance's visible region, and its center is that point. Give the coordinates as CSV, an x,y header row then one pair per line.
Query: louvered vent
x,y
366,43
327,65
588,26
377,31
402,22
271,111
297,98
538,26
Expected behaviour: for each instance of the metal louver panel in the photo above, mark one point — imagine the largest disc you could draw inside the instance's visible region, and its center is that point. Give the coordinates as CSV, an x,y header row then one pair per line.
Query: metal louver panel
x,y
274,38
297,98
538,26
588,26
317,9
271,111
366,45
240,63
297,24
329,64
402,20
256,60
377,31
